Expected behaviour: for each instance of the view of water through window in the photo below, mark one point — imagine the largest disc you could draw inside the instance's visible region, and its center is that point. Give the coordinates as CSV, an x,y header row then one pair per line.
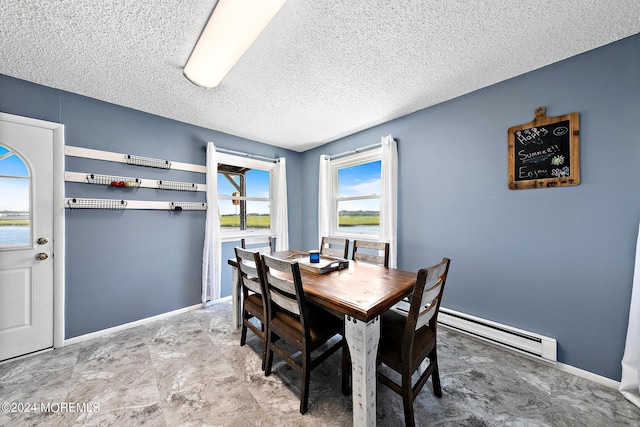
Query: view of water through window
x,y
14,199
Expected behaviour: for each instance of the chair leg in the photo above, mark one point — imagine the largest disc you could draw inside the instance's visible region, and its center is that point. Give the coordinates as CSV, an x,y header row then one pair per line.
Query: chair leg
x,y
407,399
268,357
346,370
306,378
264,344
243,334
435,376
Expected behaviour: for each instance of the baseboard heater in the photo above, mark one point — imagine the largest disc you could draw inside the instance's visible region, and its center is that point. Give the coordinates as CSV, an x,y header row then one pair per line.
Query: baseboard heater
x,y
506,336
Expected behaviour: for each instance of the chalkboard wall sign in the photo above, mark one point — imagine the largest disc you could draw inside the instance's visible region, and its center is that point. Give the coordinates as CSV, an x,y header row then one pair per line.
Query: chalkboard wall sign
x,y
545,152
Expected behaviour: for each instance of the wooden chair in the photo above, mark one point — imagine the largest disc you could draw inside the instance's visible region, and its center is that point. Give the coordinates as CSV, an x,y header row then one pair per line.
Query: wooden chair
x,y
335,247
262,244
254,303
368,255
303,326
406,340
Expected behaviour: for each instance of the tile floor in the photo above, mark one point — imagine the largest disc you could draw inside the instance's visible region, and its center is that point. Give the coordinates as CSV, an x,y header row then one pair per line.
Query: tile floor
x,y
189,370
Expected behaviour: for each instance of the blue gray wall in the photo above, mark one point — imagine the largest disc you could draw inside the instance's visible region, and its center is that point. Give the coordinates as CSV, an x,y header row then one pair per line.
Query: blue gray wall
x,y
126,266
555,261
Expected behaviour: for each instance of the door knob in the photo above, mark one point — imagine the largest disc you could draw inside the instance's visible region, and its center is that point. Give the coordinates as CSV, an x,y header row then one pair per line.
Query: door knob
x,y
42,241
42,256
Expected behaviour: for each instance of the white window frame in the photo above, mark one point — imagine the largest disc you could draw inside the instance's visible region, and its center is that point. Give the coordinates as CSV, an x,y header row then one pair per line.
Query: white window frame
x,y
345,162
245,162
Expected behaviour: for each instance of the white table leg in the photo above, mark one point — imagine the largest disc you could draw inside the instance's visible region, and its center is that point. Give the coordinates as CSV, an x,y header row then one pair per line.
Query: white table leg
x,y
362,339
235,299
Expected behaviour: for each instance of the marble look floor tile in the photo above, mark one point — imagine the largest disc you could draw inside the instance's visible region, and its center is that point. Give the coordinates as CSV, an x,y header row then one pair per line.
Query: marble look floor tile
x,y
189,370
207,402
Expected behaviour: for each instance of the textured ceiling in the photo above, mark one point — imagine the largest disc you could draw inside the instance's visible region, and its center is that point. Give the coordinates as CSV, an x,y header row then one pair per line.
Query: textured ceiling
x,y
320,71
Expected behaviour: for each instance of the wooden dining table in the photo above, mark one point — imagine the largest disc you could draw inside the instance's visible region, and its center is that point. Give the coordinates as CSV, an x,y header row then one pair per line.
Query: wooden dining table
x,y
359,294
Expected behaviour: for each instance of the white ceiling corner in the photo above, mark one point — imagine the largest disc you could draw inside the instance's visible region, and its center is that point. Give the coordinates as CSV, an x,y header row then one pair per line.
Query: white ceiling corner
x,y
320,71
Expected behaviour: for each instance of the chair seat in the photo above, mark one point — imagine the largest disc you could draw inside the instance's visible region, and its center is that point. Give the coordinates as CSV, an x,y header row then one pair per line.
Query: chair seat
x,y
322,325
392,329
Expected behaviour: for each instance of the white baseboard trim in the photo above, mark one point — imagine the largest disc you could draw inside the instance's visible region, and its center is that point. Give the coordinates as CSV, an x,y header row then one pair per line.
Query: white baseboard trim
x,y
151,319
218,301
599,379
129,325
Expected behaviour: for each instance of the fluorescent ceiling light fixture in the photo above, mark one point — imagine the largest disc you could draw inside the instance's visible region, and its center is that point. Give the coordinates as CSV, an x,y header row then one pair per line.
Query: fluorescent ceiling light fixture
x,y
233,27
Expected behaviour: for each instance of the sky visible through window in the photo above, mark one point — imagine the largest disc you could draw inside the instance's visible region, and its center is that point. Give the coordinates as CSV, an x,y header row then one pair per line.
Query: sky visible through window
x,y
360,180
257,186
14,193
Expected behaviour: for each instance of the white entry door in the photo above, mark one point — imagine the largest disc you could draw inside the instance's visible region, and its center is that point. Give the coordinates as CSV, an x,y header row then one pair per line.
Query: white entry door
x,y
26,239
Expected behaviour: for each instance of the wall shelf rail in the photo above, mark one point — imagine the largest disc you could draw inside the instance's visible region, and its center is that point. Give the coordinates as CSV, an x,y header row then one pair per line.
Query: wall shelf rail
x,y
103,204
109,156
188,206
112,204
92,178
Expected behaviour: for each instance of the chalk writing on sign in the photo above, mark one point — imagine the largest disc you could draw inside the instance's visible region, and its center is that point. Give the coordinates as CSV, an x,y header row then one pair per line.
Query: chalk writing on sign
x,y
544,152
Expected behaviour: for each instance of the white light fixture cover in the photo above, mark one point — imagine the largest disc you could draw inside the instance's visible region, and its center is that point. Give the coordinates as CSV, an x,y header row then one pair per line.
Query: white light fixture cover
x,y
233,27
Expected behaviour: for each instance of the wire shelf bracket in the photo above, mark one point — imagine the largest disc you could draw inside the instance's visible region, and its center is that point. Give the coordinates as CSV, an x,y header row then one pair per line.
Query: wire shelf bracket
x,y
177,186
114,181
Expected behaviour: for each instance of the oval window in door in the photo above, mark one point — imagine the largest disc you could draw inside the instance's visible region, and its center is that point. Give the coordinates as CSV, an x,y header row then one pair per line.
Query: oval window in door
x,y
15,200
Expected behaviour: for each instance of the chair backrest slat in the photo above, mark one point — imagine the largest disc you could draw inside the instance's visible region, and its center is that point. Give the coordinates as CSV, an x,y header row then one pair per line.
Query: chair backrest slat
x,y
429,304
281,284
261,244
360,256
252,284
250,274
287,303
429,295
249,268
335,247
380,257
425,316
283,291
338,253
425,303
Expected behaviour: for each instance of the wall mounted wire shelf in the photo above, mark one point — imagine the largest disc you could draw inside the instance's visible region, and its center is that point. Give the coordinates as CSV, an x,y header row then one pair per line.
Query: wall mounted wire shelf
x,y
96,204
114,181
147,161
177,186
188,206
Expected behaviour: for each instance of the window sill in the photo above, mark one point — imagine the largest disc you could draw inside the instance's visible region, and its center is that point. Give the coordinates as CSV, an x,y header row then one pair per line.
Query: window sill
x,y
356,235
236,235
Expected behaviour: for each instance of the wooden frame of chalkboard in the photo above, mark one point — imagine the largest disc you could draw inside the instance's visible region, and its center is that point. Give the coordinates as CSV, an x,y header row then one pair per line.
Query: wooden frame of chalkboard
x,y
545,152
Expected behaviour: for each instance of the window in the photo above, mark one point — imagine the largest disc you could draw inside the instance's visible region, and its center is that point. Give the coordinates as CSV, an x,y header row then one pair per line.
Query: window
x,y
15,198
244,193
356,188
